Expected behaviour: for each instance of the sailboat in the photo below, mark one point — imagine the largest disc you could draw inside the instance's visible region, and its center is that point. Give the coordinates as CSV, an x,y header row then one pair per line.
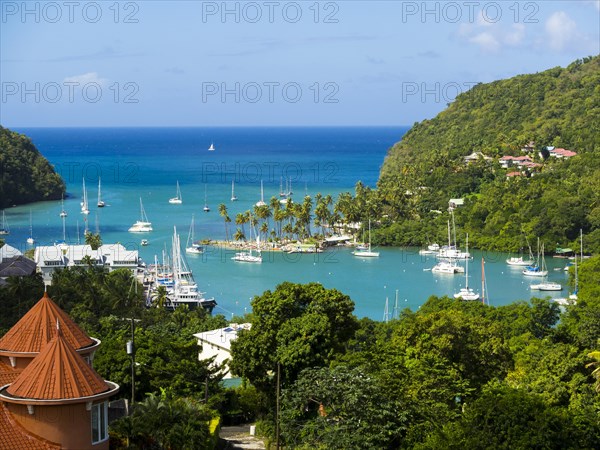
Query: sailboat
x,y
100,203
30,239
249,256
535,270
452,250
261,202
184,290
282,193
520,260
211,148
177,199
4,225
84,202
233,197
366,253
191,246
142,225
63,213
467,293
206,208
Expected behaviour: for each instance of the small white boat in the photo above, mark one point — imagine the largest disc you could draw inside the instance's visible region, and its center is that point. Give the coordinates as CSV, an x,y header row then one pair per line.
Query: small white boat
x,y
144,242
30,239
366,252
447,266
519,261
206,208
142,225
549,286
63,213
233,197
191,246
467,293
177,200
261,202
4,229
211,148
100,202
84,202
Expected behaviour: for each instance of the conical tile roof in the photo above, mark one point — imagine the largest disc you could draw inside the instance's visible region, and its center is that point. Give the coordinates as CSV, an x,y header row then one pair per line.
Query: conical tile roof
x,y
57,373
38,326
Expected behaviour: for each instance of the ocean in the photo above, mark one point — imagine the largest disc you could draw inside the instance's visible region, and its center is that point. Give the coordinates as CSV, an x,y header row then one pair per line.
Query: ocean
x,y
146,163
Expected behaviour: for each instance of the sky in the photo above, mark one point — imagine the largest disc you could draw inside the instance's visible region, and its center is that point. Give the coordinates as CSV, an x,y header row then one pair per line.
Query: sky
x,y
271,63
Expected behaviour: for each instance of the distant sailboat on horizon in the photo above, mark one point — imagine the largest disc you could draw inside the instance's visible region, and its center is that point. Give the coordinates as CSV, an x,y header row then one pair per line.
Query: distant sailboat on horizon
x,y
206,208
211,148
100,203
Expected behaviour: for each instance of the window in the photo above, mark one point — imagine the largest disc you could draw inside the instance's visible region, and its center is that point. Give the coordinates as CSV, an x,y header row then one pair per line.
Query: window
x,y
99,422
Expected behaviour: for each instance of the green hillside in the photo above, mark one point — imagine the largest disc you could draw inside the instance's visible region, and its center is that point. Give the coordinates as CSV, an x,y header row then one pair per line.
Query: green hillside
x,y
25,175
559,107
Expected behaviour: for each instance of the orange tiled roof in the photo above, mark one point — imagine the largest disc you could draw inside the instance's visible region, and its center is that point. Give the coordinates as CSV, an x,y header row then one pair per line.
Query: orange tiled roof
x,y
58,372
7,374
14,436
38,326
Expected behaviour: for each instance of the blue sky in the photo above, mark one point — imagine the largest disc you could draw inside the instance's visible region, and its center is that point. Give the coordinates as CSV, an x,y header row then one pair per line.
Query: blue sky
x,y
158,63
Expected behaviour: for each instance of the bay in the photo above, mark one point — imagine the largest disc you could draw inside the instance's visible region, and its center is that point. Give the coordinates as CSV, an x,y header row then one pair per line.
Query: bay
x,y
147,163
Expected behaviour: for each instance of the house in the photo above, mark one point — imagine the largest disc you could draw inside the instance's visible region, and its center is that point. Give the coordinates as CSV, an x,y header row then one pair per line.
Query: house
x,y
528,148
514,174
476,156
217,344
561,153
506,161
112,256
455,202
50,395
14,264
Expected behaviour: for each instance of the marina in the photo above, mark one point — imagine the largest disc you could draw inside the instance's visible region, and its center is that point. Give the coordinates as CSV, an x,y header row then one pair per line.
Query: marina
x,y
126,178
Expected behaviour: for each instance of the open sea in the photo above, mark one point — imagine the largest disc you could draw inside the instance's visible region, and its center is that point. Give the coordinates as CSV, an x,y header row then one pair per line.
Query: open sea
x,y
146,163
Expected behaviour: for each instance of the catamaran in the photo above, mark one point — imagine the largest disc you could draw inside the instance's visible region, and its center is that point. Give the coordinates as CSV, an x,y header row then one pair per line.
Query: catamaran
x,y
100,203
177,200
451,250
142,225
191,246
367,252
467,293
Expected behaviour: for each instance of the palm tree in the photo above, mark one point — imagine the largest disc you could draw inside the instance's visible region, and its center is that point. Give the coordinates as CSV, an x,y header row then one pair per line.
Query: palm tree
x,y
239,235
160,298
226,218
596,364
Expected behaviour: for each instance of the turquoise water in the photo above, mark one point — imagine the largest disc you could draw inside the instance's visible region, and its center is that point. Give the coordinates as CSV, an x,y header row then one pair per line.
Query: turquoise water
x,y
147,162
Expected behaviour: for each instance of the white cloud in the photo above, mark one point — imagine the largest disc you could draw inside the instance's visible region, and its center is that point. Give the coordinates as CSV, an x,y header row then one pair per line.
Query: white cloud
x,y
561,30
86,78
492,37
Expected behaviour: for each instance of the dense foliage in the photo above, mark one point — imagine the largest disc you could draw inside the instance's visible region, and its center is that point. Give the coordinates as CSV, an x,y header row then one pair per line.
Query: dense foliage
x,y
25,175
558,107
453,374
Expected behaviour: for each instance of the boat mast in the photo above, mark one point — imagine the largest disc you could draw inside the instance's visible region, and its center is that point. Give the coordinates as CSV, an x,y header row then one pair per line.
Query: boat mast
x,y
483,281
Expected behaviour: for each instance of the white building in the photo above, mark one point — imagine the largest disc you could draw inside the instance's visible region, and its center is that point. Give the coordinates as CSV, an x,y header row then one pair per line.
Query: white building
x,y
111,256
217,343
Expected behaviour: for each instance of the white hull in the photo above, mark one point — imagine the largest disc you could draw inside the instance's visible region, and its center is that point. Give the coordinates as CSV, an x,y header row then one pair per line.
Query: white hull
x,y
365,254
550,287
447,268
246,257
535,273
175,201
467,294
195,250
141,227
519,262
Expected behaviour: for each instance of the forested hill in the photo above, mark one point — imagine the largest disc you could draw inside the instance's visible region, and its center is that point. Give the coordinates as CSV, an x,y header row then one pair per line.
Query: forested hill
x,y
552,199
26,176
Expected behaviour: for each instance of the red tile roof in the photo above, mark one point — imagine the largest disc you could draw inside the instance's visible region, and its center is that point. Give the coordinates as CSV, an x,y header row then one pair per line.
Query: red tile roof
x,y
514,174
7,374
14,437
38,326
57,373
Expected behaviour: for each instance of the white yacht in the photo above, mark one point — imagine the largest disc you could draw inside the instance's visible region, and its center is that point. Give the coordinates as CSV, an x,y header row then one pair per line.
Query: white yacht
x,y
30,239
261,202
84,202
191,246
447,266
142,225
177,200
249,256
206,208
467,293
366,252
100,203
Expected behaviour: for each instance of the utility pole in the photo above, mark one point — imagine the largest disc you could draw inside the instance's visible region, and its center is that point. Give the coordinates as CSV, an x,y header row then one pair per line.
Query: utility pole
x,y
131,351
